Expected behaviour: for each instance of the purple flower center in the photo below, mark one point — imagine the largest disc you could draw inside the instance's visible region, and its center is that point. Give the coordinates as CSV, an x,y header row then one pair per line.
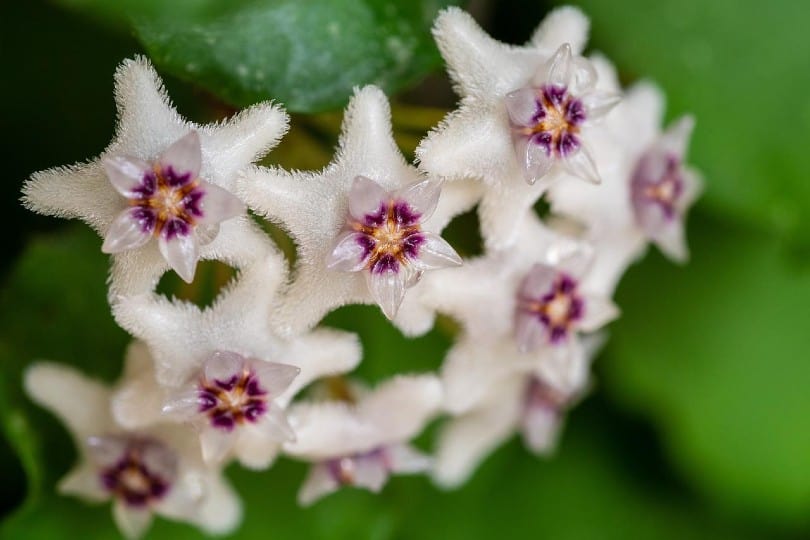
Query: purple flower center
x,y
664,191
167,202
556,122
558,309
234,401
390,236
131,480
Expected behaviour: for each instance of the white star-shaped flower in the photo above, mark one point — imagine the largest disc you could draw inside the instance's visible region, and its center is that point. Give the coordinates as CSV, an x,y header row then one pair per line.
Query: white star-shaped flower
x,y
525,114
362,442
144,472
164,177
224,369
366,227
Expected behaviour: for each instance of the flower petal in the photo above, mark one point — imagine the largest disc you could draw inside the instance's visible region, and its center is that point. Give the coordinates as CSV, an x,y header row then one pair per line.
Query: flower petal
x,y
215,443
400,407
132,522
422,197
218,204
183,406
583,76
530,334
126,174
580,163
222,365
561,25
275,378
598,312
435,252
319,482
131,229
541,427
184,155
406,459
181,252
350,253
83,481
672,242
365,197
370,473
388,289
675,139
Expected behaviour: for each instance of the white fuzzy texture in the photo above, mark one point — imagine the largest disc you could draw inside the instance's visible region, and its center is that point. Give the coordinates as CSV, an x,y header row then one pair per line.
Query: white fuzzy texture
x,y
394,412
147,125
313,206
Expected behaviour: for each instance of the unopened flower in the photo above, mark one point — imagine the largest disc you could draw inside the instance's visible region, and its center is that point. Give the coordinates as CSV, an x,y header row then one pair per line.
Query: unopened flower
x,y
523,110
143,472
361,443
162,176
314,209
224,370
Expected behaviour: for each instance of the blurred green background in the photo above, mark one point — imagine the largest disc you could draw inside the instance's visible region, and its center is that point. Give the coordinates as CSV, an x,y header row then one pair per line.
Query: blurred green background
x,y
699,426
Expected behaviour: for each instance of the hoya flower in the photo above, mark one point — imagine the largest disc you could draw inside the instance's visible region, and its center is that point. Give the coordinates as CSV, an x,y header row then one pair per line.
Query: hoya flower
x,y
365,226
224,370
166,177
525,114
663,188
383,238
144,472
167,200
531,398
362,443
630,143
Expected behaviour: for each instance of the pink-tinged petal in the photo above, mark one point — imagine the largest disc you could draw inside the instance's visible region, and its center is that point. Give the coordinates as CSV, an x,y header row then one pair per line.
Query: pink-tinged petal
x,y
106,450
435,252
422,197
183,406
598,312
530,334
126,174
521,105
388,289
216,443
275,378
319,482
181,252
218,204
581,164
583,76
132,522
370,473
350,253
406,459
184,155
541,427
222,365
274,425
598,104
538,281
672,242
559,68
675,139
130,230
535,161
365,197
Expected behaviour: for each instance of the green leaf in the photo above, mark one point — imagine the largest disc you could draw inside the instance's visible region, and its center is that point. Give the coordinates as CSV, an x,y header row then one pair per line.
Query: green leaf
x,y
717,354
742,70
306,55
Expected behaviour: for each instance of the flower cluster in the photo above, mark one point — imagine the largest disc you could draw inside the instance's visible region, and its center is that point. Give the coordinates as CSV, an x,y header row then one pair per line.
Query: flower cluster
x,y
204,387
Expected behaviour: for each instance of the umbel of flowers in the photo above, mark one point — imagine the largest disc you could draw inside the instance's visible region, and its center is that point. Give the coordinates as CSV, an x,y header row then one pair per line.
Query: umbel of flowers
x,y
204,387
